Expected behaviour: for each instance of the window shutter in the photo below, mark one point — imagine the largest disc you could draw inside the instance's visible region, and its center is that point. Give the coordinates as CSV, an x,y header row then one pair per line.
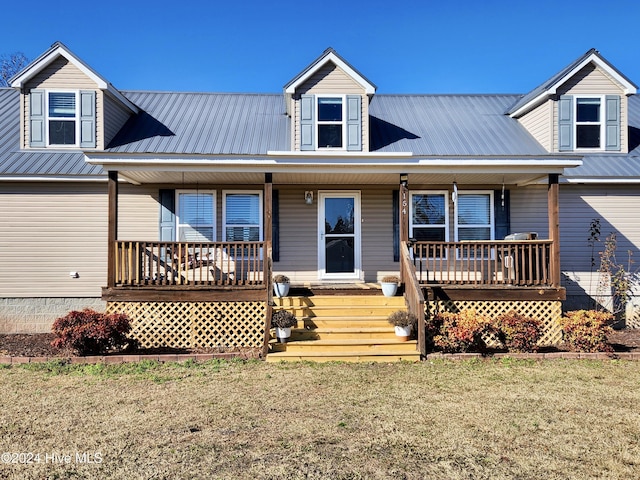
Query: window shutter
x,y
354,122
565,123
502,214
613,122
167,215
87,119
307,122
275,226
396,225
36,118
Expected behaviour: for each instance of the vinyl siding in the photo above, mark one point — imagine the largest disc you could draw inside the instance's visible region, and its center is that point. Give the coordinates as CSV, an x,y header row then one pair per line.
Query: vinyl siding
x,y
49,231
539,123
115,116
592,80
138,213
61,74
331,79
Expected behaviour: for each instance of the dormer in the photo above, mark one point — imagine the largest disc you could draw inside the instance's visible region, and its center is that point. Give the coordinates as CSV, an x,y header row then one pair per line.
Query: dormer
x,y
64,104
329,105
582,109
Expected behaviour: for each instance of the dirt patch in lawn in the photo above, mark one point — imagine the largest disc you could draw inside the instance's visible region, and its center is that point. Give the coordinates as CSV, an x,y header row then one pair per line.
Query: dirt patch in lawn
x,y
39,345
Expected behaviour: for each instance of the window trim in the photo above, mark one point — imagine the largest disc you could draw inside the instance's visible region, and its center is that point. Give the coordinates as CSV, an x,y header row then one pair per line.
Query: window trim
x,y
343,122
446,226
260,208
177,210
492,215
602,122
48,118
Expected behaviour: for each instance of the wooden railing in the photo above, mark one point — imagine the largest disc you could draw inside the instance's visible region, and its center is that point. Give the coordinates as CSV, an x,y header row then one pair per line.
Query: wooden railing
x,y
189,264
413,295
498,262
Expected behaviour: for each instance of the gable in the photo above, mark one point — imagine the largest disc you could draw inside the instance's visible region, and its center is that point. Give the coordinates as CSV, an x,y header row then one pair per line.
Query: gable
x,y
330,79
60,73
591,79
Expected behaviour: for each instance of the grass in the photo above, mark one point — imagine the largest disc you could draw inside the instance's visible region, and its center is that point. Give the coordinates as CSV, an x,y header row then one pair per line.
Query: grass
x,y
497,419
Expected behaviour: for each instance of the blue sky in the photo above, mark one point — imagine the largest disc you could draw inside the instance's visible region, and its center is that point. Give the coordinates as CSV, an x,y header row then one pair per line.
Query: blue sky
x,y
449,46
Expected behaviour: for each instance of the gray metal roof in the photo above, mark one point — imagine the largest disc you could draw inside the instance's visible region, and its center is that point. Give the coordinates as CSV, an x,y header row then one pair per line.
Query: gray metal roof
x,y
448,125
204,123
46,163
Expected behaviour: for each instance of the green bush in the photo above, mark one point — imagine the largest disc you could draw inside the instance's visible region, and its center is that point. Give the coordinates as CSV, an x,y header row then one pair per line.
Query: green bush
x,y
587,331
89,332
517,332
458,332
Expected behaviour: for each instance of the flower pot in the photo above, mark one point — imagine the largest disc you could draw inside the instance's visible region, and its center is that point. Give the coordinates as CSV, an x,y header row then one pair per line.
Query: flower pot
x,y
282,334
389,289
403,333
281,289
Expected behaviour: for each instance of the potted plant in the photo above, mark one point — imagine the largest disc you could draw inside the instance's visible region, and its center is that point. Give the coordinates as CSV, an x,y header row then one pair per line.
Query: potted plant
x,y
283,320
281,285
403,322
389,285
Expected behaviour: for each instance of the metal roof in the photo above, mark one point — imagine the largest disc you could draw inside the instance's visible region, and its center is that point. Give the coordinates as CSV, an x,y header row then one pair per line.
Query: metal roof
x,y
448,125
204,123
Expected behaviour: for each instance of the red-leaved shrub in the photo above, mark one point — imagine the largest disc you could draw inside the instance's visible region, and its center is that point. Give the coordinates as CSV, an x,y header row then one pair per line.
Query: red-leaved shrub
x,y
517,332
90,332
587,331
459,332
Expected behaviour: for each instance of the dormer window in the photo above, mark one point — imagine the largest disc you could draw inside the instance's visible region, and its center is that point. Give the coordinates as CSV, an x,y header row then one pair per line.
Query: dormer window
x,y
330,122
588,122
62,118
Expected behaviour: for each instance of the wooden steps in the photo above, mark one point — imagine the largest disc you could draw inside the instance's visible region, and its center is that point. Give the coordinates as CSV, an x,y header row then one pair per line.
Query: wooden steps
x,y
348,328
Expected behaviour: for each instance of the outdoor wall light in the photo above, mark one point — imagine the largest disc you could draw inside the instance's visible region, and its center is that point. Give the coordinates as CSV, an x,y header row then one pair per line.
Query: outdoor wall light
x,y
308,197
74,274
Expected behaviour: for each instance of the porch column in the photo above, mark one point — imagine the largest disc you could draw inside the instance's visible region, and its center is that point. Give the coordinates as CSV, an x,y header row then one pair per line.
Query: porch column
x,y
268,252
553,200
404,207
112,229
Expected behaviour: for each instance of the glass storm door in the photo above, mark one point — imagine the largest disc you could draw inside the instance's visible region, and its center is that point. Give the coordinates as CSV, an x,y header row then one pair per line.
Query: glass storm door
x,y
339,229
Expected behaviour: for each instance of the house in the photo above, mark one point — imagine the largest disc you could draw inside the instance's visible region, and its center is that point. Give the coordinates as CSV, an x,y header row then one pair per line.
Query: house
x,y
177,208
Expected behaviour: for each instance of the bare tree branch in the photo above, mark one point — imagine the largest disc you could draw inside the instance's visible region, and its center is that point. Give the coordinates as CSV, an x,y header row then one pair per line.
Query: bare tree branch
x,y
10,64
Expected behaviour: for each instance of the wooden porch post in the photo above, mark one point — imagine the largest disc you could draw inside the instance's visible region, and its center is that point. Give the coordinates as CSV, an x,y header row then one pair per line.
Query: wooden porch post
x,y
553,200
268,247
112,229
403,204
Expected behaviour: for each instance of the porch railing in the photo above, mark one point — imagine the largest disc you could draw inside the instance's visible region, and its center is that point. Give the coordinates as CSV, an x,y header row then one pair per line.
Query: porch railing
x,y
413,295
497,262
189,263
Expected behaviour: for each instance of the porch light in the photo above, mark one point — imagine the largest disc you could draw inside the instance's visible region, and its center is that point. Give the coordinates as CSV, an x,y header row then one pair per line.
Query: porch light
x,y
308,197
404,179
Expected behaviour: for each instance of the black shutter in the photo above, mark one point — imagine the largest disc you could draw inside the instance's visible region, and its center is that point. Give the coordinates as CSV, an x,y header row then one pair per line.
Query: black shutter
x,y
167,215
275,226
502,214
396,225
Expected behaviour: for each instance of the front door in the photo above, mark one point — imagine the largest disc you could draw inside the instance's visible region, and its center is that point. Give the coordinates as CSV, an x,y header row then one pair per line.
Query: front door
x,y
339,255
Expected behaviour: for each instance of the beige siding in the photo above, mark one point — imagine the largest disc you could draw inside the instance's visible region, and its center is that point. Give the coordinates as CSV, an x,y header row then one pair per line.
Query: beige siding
x,y
331,79
61,74
539,123
299,234
49,231
115,116
592,80
138,213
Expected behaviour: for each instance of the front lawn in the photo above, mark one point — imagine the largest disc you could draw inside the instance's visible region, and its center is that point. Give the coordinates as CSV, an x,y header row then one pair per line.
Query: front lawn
x,y
493,419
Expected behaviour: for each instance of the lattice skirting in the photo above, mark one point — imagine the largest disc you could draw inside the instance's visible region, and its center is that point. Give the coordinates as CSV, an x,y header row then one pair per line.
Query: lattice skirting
x,y
548,312
195,324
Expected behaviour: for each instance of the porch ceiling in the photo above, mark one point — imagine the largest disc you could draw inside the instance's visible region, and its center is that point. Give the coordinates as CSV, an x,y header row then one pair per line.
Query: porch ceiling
x,y
298,178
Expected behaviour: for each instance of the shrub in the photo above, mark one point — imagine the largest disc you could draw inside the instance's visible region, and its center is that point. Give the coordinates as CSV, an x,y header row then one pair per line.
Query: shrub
x,y
390,279
283,319
402,318
587,330
91,332
281,279
459,332
517,332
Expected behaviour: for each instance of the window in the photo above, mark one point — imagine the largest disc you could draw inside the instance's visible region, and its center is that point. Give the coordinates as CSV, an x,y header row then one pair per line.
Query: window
x,y
588,122
429,220
62,118
196,216
242,216
474,216
330,122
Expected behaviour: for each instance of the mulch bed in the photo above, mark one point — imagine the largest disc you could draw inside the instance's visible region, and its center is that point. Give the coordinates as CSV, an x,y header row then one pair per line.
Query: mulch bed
x,y
39,345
